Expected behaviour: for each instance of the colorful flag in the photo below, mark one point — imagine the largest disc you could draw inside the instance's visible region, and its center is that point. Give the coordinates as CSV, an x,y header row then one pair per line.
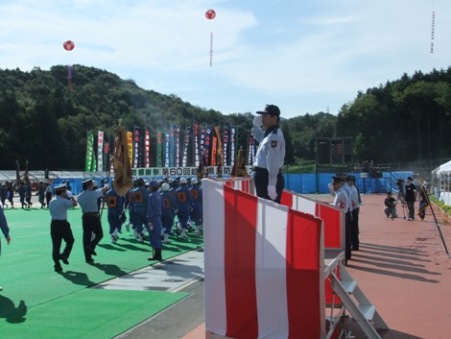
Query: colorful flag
x,y
136,147
271,252
121,162
100,140
232,144
185,147
130,147
177,147
147,149
159,150
89,150
196,143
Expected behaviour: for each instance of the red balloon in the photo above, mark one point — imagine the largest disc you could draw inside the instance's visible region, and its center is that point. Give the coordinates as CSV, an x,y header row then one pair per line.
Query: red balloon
x,y
69,45
210,14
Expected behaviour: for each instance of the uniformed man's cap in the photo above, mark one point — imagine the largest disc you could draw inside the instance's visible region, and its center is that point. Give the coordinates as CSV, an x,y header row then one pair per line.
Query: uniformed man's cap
x,y
60,187
271,110
86,181
337,179
350,178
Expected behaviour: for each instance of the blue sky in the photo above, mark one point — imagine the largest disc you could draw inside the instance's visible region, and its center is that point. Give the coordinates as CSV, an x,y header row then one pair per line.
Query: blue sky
x,y
305,56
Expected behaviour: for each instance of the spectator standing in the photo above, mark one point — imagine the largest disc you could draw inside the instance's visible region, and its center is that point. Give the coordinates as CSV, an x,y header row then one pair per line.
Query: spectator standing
x,y
410,191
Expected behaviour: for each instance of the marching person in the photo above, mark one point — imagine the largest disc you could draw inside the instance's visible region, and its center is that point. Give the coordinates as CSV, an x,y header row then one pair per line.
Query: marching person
x,y
116,213
196,212
41,194
5,229
269,181
138,204
154,211
185,203
48,193
169,210
88,200
59,226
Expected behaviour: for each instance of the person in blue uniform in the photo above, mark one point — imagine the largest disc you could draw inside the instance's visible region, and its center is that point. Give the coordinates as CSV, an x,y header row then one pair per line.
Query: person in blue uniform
x,y
185,203
88,201
139,196
196,212
59,226
154,212
115,204
270,157
5,229
169,210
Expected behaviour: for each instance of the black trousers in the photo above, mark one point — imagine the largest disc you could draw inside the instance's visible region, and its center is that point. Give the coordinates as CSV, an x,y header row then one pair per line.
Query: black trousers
x,y
261,183
91,224
355,229
348,235
60,230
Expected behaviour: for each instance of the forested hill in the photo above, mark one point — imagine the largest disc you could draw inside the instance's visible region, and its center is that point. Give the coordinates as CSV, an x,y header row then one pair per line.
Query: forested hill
x,y
44,122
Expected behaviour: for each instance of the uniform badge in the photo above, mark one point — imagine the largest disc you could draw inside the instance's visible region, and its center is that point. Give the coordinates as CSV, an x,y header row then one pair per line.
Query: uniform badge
x,y
273,143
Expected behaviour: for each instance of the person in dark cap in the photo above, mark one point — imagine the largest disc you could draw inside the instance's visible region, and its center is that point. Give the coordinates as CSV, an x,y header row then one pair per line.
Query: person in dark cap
x,y
270,157
355,210
154,212
410,197
59,226
88,201
341,201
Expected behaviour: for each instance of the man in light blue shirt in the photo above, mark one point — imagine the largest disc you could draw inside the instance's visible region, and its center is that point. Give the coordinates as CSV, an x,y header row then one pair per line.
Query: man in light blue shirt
x,y
268,178
59,227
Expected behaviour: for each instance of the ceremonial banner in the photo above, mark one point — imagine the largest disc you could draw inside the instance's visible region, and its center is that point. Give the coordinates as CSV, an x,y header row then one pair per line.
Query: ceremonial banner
x,y
225,145
147,149
166,149
263,267
136,147
185,147
130,147
121,163
203,132
251,151
171,146
159,150
89,150
107,160
196,143
213,151
100,150
208,144
177,147
232,144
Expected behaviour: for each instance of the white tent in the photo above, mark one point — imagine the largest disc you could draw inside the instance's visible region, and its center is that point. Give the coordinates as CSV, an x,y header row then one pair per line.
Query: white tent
x,y
441,182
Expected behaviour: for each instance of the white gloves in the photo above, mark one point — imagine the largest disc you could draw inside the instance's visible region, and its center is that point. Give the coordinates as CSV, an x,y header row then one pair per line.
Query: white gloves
x,y
69,194
257,121
272,192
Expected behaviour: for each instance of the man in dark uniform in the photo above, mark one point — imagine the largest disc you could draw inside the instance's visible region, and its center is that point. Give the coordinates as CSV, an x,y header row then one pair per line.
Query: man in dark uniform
x,y
88,201
60,227
411,192
269,181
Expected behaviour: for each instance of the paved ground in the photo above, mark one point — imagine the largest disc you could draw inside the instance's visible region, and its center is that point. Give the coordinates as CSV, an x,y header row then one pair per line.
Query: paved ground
x,y
402,268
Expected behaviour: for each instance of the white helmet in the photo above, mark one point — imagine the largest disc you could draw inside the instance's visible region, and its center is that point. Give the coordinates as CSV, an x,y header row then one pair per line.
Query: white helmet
x,y
194,181
183,181
165,187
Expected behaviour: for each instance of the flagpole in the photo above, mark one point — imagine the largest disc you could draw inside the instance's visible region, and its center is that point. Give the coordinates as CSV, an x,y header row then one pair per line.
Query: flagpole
x,y
436,222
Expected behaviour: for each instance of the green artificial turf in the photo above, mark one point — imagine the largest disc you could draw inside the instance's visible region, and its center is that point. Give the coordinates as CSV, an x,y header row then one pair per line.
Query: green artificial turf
x,y
33,293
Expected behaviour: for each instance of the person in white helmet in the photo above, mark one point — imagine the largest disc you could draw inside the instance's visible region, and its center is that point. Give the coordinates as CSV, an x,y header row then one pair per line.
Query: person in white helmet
x,y
196,213
184,201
